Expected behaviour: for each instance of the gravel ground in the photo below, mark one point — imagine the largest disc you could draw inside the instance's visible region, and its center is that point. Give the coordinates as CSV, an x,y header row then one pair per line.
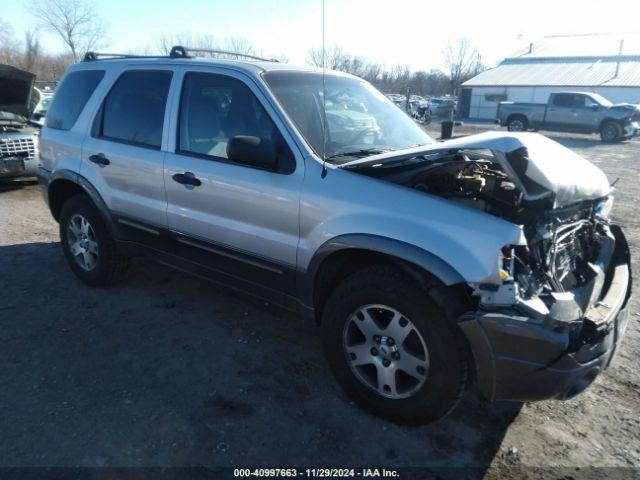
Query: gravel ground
x,y
168,370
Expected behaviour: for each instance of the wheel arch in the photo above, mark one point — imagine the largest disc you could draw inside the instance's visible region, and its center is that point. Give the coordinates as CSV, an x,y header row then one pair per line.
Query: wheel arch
x,y
343,255
65,184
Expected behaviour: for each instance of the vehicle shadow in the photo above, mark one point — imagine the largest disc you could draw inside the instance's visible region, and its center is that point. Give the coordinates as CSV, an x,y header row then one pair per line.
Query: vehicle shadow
x,y
578,142
166,369
8,185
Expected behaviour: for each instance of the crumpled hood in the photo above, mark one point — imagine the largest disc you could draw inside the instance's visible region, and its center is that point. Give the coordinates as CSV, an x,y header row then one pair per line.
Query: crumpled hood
x,y
550,165
630,109
626,106
15,90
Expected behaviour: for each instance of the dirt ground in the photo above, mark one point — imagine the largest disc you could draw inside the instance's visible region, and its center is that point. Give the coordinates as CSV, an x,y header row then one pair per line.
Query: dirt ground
x,y
168,370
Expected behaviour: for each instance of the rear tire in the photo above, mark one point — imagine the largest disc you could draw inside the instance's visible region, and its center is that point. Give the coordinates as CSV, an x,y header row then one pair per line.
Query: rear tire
x,y
517,123
87,244
611,132
384,293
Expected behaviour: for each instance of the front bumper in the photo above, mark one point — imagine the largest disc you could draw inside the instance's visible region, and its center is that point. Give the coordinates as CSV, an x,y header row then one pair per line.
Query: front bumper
x,y
14,167
523,359
632,129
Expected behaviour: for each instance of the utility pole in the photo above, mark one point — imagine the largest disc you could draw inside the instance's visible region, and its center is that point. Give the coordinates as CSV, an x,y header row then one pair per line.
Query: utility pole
x,y
407,102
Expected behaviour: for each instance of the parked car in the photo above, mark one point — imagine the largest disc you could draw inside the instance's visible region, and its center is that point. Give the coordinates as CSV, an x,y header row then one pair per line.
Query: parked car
x,y
488,259
442,107
40,111
579,112
18,140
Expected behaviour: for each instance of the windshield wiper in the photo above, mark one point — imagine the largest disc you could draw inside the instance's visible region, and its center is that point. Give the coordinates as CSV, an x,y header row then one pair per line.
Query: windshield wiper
x,y
359,153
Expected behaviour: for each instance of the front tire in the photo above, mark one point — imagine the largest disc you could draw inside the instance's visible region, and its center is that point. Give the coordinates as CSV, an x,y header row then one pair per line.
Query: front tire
x,y
391,347
611,132
87,244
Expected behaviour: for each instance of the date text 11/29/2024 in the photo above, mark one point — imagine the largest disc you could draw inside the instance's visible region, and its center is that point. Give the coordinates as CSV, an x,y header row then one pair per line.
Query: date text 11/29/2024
x,y
316,473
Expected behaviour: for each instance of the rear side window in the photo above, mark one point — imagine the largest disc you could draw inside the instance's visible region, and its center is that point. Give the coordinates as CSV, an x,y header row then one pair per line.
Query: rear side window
x,y
71,97
569,100
133,111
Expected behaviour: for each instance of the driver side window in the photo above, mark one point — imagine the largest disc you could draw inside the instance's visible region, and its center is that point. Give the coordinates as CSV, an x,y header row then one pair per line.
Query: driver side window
x,y
214,109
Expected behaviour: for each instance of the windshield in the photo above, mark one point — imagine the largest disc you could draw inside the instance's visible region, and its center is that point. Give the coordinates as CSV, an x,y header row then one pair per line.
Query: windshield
x,y
359,120
601,100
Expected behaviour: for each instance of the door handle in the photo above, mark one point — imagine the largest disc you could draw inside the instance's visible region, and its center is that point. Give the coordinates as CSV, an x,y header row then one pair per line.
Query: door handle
x,y
99,159
187,178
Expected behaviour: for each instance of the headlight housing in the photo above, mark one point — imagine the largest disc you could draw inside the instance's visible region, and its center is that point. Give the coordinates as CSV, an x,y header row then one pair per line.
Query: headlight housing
x,y
603,209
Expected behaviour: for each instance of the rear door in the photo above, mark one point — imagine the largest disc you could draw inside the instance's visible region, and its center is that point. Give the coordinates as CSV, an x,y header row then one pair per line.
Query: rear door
x,y
238,219
122,156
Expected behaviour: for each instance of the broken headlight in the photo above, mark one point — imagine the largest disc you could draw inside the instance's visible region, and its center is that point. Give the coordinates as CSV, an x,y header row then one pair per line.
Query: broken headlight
x,y
603,209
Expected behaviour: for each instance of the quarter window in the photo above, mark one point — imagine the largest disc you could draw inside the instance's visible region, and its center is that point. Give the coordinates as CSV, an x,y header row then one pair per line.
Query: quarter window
x,y
133,111
214,109
71,97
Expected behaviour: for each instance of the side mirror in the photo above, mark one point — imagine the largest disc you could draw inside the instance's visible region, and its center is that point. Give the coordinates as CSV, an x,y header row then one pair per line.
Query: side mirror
x,y
253,151
595,106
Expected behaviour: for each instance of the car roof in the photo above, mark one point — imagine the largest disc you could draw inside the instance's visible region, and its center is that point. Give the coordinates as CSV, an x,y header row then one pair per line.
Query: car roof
x,y
251,67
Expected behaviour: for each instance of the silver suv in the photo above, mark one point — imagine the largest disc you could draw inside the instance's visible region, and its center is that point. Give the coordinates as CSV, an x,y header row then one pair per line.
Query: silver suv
x,y
487,259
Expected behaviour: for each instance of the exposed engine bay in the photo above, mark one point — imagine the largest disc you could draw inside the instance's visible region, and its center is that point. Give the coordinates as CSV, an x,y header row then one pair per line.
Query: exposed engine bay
x,y
563,243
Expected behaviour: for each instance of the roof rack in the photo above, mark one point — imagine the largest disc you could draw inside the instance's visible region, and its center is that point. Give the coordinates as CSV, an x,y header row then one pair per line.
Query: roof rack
x,y
91,56
179,51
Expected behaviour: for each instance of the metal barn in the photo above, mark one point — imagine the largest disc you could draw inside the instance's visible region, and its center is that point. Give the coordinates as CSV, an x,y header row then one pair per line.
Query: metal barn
x,y
608,64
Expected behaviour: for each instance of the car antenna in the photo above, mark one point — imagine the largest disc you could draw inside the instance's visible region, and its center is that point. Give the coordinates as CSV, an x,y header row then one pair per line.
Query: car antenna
x,y
324,114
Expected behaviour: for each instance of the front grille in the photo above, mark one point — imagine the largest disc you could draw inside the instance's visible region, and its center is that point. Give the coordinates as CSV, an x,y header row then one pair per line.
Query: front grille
x,y
12,147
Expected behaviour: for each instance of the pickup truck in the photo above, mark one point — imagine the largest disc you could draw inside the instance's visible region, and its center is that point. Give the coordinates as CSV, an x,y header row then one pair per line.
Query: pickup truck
x,y
578,112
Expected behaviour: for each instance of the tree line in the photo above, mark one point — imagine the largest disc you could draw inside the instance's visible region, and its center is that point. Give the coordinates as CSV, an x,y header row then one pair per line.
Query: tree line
x,y
81,29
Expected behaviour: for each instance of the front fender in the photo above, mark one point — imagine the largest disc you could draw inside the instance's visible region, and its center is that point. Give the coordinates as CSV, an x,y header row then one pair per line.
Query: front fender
x,y
468,248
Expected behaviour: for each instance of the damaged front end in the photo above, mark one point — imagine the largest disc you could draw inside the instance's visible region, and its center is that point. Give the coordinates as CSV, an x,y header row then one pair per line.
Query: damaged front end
x,y
550,318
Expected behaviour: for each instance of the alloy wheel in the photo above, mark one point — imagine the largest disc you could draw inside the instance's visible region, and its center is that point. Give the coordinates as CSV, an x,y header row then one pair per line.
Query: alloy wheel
x,y
385,351
610,132
516,125
82,242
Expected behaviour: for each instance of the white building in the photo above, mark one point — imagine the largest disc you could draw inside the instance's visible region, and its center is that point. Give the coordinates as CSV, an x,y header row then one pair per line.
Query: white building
x,y
608,64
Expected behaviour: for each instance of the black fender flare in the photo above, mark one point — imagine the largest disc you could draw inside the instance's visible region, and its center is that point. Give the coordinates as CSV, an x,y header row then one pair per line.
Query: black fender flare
x,y
88,189
376,244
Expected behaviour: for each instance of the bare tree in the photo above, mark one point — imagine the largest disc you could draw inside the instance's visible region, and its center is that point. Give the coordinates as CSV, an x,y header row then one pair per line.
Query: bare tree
x,y
8,44
75,21
333,57
462,60
32,51
395,79
186,39
239,45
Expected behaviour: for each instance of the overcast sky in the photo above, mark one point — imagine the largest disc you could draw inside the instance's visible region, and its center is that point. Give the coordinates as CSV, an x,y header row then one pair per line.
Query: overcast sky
x,y
410,32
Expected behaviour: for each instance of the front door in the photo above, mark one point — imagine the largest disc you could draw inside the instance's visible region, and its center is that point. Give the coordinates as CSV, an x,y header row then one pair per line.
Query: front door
x,y
229,217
